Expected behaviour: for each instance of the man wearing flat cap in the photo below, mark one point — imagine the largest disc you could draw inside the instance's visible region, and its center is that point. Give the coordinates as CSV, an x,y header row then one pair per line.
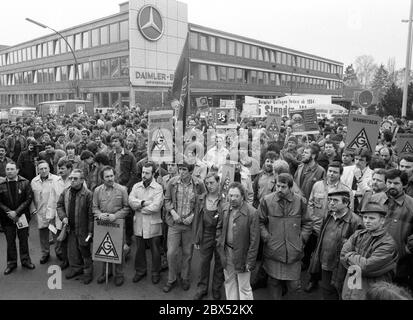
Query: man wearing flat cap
x,y
339,224
370,255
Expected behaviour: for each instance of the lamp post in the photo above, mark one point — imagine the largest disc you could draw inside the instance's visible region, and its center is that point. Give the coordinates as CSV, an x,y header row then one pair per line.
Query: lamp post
x,y
408,61
68,45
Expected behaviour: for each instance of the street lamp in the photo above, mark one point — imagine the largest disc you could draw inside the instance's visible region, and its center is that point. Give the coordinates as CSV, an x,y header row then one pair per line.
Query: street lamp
x,y
408,61
68,45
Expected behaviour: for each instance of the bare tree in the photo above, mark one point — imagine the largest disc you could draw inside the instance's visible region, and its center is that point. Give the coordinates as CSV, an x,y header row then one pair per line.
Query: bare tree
x,y
365,69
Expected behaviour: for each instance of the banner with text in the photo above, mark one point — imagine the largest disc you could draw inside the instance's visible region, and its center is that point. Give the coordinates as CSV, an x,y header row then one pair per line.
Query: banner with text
x,y
404,143
304,121
108,241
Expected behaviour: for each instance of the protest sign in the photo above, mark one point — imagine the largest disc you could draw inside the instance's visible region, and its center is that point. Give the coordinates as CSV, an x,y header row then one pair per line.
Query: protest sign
x,y
362,132
249,110
273,121
304,121
160,146
226,118
227,176
404,143
227,103
108,241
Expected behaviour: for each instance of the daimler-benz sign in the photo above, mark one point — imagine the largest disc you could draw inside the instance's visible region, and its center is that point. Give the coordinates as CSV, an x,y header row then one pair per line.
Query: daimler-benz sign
x,y
150,23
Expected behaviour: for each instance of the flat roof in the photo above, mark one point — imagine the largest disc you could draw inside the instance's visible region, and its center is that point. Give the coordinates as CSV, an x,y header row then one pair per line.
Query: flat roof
x,y
65,101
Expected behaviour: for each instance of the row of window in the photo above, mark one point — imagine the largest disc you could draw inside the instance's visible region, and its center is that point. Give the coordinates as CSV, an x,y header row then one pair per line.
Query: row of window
x,y
213,44
236,75
100,99
92,38
101,69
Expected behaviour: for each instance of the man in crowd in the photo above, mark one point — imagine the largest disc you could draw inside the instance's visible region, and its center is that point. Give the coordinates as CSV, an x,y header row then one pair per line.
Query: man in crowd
x,y
110,203
71,155
372,250
27,160
378,190
329,154
291,155
399,224
82,145
406,165
146,199
3,160
237,243
126,175
51,155
217,155
339,224
181,202
308,172
102,148
15,198
284,220
318,209
16,143
75,210
46,187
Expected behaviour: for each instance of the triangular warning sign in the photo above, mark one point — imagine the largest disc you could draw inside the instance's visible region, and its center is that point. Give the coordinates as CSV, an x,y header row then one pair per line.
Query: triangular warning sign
x,y
407,148
107,249
159,143
360,141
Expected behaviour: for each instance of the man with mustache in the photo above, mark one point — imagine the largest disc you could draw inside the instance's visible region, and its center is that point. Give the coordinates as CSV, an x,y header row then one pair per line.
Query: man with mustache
x,y
399,223
378,189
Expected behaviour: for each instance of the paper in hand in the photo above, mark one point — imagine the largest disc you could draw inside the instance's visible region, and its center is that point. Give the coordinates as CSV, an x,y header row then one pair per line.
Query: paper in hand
x,y
22,222
52,228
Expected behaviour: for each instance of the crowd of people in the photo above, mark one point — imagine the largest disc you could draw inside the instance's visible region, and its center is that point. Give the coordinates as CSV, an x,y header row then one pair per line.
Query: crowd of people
x,y
298,204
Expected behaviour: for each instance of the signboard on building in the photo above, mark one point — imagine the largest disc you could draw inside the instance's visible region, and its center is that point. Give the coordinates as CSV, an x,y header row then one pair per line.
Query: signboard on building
x,y
249,110
108,241
362,132
157,33
160,145
288,103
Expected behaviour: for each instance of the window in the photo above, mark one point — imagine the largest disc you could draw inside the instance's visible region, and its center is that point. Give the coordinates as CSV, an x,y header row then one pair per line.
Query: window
x,y
124,66
311,64
45,50
231,48
222,46
104,35
71,72
212,41
272,56
45,75
105,99
70,40
266,56
114,68
39,51
231,74
80,71
40,76
51,75
86,70
203,74
203,44
212,73
124,30
283,80
95,37
266,79
56,45
222,73
114,33
260,77
240,75
104,68
253,77
253,52
278,57
96,69
272,79
24,54
63,46
193,40
19,56
247,51
260,54
78,41
85,40
239,49
114,99
289,60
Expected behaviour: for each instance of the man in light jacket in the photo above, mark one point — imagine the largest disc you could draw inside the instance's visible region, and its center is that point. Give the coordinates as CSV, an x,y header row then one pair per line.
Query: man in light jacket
x,y
146,199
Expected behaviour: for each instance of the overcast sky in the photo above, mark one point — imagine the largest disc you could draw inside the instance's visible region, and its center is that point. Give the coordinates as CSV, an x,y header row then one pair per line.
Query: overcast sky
x,y
337,29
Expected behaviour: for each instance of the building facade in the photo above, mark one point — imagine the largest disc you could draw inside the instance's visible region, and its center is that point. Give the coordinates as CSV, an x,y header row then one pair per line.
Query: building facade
x,y
129,58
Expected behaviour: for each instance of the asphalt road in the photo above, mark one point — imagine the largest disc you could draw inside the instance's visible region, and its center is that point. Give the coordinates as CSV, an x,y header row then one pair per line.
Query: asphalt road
x,y
33,284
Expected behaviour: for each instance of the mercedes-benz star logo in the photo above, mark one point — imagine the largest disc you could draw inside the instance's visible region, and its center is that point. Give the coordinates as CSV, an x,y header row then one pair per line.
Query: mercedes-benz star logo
x,y
150,23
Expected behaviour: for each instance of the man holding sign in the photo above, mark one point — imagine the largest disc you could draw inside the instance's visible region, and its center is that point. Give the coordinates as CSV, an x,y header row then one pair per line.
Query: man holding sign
x,y
110,203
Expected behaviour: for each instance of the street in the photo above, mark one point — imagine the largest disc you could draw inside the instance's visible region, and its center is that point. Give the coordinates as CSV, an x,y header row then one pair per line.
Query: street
x,y
26,284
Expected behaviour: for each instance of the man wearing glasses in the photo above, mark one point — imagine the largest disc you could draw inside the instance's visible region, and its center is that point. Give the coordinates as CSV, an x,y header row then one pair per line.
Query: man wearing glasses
x,y
339,224
75,210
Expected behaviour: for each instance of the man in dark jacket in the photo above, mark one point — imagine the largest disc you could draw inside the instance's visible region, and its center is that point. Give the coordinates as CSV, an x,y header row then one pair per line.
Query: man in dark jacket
x,y
126,175
16,143
15,198
285,227
75,210
370,255
337,227
237,243
27,160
